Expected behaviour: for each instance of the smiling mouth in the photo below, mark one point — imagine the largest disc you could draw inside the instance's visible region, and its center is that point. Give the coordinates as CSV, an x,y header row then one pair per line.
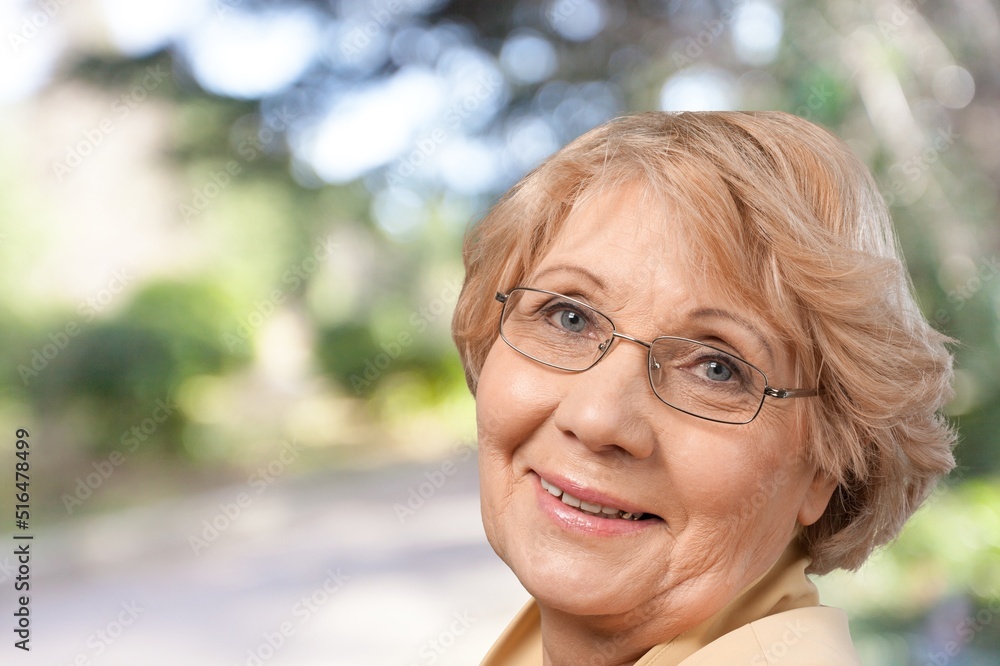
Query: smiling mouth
x,y
598,510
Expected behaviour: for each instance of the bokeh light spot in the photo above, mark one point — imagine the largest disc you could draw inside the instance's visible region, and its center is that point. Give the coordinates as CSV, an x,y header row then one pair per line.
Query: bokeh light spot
x,y
757,28
700,90
528,58
954,87
399,211
373,126
576,20
251,55
139,28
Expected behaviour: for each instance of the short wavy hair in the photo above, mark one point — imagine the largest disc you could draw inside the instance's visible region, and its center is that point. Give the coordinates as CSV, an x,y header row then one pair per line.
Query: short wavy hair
x,y
792,224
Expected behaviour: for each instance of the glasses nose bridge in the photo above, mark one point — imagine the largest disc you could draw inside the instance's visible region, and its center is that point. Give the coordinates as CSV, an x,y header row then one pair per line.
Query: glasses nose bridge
x,y
606,347
625,336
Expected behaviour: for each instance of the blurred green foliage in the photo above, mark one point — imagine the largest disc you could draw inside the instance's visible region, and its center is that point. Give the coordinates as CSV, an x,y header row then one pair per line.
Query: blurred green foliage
x,y
120,366
246,305
938,583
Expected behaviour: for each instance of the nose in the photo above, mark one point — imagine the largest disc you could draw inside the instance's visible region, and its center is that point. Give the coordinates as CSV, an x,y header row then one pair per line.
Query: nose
x,y
609,407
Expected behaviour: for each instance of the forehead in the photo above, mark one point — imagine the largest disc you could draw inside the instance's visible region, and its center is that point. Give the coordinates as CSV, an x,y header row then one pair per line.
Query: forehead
x,y
628,237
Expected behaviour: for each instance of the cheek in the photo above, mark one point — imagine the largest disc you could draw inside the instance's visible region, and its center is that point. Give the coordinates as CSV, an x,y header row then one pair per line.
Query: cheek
x,y
741,477
515,396
513,402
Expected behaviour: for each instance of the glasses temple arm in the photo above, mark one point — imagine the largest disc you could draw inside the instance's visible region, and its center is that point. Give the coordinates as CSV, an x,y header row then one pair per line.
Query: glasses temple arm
x,y
790,393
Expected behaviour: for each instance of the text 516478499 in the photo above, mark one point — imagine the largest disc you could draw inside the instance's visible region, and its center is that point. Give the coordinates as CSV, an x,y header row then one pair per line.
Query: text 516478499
x,y
22,541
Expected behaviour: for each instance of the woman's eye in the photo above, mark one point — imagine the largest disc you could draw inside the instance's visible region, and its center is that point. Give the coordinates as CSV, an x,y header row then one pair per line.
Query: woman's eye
x,y
571,321
717,371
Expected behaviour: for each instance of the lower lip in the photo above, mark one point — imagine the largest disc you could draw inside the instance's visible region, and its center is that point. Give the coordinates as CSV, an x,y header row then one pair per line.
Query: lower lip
x,y
574,520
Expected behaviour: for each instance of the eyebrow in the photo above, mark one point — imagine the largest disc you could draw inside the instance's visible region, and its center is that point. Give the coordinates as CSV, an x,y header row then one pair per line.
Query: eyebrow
x,y
593,277
709,313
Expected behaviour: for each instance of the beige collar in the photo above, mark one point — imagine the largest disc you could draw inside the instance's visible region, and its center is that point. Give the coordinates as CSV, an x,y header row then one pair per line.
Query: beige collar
x,y
784,587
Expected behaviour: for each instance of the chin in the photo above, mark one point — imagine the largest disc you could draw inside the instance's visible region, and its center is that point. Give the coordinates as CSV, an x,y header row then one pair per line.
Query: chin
x,y
577,583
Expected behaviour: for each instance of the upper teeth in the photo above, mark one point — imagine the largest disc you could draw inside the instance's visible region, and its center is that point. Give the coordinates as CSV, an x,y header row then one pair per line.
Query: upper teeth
x,y
587,507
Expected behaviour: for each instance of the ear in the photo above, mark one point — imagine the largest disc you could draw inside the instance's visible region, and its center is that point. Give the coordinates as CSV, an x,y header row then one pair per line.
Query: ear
x,y
817,497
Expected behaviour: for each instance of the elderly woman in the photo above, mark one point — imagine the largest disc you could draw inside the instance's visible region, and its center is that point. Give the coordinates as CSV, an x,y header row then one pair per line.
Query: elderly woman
x,y
700,375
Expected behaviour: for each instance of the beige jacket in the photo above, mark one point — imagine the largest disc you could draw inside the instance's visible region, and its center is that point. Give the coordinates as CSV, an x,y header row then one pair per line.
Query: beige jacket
x,y
776,621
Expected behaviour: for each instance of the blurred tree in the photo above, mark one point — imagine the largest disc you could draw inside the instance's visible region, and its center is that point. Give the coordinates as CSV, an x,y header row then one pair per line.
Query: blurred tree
x,y
384,127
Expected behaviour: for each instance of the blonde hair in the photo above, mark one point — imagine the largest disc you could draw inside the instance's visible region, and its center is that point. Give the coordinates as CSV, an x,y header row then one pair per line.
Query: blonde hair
x,y
791,223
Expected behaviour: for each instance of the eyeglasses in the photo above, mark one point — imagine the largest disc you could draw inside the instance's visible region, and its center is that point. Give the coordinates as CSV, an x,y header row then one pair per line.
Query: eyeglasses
x,y
690,376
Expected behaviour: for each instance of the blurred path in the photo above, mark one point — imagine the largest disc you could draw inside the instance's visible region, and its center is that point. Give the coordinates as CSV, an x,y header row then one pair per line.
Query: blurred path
x,y
322,569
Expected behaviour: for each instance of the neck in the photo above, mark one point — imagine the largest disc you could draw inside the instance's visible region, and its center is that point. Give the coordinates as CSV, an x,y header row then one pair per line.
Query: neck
x,y
622,640
570,639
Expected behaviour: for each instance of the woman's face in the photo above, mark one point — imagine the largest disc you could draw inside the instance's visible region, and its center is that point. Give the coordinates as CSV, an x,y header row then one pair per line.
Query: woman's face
x,y
726,499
